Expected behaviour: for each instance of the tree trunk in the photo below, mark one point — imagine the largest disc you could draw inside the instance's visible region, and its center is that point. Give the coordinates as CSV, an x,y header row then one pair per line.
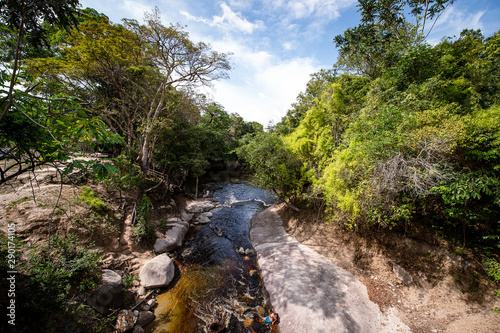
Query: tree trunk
x,y
196,190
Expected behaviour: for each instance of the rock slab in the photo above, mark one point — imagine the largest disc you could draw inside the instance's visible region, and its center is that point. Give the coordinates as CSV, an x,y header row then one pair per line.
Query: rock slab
x,y
158,272
310,293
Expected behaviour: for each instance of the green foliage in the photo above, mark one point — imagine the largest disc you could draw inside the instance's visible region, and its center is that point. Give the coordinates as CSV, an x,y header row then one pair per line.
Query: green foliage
x,y
274,166
55,274
125,175
89,197
128,280
416,132
492,267
144,229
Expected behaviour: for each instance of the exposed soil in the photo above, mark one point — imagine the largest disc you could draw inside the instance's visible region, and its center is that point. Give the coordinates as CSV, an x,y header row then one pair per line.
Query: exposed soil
x,y
41,205
448,292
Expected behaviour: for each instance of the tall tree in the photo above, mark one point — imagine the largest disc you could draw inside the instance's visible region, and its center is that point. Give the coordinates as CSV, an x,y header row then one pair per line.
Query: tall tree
x,y
26,17
385,33
131,73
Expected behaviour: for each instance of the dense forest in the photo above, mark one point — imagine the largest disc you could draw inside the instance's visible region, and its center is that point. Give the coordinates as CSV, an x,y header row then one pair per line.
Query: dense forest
x,y
400,135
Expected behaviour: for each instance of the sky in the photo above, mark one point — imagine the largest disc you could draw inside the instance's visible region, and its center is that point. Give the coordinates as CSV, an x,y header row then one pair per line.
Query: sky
x,y
275,45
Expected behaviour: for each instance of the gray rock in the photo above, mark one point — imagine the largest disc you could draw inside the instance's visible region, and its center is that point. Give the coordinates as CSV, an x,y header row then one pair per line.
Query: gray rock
x,y
402,274
125,320
303,284
142,291
138,329
200,206
186,216
173,239
173,204
202,219
145,317
158,272
108,294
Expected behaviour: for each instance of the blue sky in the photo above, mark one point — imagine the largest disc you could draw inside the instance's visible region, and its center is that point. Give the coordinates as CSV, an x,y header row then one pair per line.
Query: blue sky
x,y
277,44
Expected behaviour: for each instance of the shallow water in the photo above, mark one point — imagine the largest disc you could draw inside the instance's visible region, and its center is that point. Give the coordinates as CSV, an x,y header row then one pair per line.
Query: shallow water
x,y
219,289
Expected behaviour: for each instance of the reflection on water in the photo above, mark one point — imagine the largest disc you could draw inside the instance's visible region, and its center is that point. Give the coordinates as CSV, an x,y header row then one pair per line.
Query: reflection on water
x,y
219,289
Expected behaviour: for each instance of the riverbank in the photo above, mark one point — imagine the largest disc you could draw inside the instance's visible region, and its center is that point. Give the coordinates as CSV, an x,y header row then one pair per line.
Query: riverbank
x,y
448,292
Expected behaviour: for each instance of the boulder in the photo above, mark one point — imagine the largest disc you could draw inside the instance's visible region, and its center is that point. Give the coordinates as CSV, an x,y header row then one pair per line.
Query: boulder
x,y
402,274
186,216
200,206
145,317
173,239
202,219
108,294
158,272
125,320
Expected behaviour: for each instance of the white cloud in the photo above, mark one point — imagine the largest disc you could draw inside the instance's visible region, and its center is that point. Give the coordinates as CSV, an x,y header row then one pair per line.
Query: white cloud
x,y
453,21
289,46
269,87
229,20
329,9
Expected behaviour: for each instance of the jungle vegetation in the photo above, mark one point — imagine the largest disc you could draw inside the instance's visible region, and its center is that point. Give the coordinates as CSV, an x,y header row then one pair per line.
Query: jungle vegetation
x,y
400,135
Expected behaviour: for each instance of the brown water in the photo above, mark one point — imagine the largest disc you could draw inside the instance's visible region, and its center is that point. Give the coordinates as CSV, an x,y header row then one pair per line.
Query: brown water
x,y
218,289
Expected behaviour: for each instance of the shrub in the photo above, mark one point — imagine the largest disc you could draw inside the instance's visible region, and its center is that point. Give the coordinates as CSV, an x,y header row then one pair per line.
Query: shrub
x,y
144,229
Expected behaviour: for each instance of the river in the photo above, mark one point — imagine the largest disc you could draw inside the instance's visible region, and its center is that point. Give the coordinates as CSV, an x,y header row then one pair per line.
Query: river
x,y
219,287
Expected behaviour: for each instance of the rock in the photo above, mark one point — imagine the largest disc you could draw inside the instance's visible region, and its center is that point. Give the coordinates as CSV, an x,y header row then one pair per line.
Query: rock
x,y
186,216
138,329
141,291
158,272
125,320
193,208
303,284
136,313
202,219
200,206
403,275
145,317
180,223
173,204
151,302
173,239
108,294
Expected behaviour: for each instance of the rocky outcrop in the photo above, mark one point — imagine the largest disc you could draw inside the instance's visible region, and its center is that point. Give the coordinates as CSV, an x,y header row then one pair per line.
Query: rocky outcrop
x,y
158,272
108,294
309,292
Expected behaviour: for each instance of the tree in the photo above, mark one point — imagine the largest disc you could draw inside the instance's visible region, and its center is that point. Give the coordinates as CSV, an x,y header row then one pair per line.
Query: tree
x,y
385,34
274,166
131,74
26,17
38,125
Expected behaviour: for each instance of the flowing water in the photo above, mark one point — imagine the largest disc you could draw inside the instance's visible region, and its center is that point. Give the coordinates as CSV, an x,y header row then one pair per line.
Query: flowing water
x,y
219,288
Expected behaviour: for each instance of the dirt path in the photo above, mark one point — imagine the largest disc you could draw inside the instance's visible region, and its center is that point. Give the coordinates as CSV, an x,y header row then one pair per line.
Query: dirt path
x,y
310,293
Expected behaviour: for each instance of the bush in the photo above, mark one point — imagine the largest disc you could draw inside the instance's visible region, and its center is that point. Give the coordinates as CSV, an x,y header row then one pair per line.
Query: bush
x,y
492,267
144,229
67,268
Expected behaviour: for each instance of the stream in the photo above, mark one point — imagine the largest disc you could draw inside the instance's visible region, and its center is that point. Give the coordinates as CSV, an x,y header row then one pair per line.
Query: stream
x,y
218,286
